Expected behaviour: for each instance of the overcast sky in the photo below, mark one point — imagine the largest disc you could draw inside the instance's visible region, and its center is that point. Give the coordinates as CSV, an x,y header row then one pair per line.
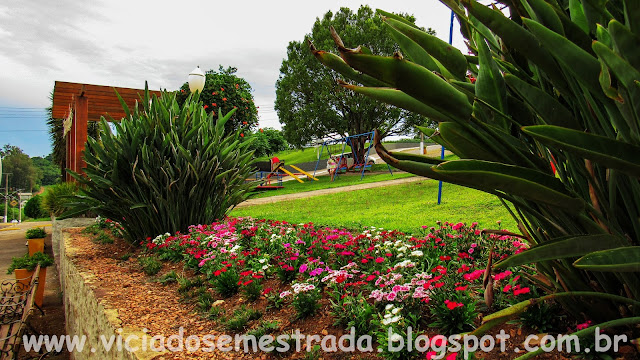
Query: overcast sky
x,y
124,43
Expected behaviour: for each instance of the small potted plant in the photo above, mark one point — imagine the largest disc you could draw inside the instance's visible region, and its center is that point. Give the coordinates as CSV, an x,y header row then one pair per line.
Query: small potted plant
x,y
35,240
24,266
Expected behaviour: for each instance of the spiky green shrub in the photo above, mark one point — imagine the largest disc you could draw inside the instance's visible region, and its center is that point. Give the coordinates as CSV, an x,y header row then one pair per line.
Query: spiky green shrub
x,y
551,126
164,168
56,200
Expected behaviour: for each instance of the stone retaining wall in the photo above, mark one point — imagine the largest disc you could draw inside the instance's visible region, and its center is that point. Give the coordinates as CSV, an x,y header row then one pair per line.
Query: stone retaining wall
x,y
86,314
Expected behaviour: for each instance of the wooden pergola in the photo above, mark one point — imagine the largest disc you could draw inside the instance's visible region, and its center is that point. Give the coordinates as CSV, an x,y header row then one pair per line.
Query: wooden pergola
x,y
80,103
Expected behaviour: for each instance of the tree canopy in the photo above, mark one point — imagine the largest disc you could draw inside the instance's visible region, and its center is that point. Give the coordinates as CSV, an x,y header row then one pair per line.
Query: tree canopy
x,y
224,91
24,174
310,102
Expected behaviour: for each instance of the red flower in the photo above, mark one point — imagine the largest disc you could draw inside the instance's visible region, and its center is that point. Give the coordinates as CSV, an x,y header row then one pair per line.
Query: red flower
x,y
206,107
340,279
244,123
452,304
221,89
224,99
261,130
379,260
370,277
506,288
461,288
445,258
214,104
241,135
525,290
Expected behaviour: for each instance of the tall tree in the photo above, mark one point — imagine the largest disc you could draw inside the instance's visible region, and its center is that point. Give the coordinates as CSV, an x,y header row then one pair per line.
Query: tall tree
x,y
225,91
49,173
24,174
309,100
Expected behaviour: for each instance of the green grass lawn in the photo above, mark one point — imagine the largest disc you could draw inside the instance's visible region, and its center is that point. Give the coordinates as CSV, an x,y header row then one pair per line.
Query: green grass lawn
x,y
324,182
405,207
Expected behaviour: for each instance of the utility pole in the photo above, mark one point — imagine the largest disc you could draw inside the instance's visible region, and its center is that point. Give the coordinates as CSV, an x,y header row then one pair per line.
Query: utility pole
x,y
6,196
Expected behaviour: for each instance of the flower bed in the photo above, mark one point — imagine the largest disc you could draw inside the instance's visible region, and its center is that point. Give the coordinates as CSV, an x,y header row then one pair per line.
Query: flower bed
x,y
254,277
376,279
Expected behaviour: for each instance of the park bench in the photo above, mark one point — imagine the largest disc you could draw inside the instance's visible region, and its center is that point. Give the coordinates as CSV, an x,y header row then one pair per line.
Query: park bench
x,y
16,306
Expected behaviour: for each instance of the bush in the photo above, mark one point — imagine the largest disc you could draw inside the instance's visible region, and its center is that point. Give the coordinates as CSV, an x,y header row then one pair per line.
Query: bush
x,y
36,233
164,168
33,208
30,262
57,198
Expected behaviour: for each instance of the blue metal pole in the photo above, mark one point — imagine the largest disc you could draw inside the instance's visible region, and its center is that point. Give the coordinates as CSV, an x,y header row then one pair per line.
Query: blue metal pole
x,y
442,150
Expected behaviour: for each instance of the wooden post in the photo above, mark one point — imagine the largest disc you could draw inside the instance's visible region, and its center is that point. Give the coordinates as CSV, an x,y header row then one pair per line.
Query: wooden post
x,y
77,137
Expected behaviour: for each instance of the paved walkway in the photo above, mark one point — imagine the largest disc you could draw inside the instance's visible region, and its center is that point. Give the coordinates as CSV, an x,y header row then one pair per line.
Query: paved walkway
x,y
12,243
306,194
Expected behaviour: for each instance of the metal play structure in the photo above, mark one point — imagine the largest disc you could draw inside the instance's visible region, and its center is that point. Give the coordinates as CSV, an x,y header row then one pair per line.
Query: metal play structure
x,y
341,162
278,171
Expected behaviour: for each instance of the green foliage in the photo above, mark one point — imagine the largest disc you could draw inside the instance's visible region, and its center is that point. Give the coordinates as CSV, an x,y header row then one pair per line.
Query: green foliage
x,y
103,238
312,105
150,265
33,208
551,126
169,277
35,233
166,167
24,175
223,92
267,141
306,303
125,256
265,327
226,284
56,200
48,172
30,262
241,318
352,311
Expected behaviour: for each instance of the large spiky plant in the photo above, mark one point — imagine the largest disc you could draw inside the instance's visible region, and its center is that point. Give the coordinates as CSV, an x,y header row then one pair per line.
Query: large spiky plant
x,y
165,167
551,126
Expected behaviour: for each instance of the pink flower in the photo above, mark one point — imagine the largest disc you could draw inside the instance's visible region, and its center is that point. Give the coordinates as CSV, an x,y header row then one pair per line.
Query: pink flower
x,y
303,268
475,275
391,296
583,325
452,304
379,260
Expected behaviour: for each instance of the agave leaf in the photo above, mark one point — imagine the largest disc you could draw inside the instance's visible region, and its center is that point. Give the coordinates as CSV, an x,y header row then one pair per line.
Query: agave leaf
x,y
413,80
518,38
395,17
399,99
623,70
632,15
547,16
514,180
549,109
563,248
605,83
626,42
623,259
611,153
490,85
464,143
577,15
414,51
334,62
574,59
450,57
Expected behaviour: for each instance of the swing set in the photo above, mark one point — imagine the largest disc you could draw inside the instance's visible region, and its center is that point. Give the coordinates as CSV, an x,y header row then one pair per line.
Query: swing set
x,y
344,162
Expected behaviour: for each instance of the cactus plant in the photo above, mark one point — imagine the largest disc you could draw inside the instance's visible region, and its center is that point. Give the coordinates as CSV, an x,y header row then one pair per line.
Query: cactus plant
x,y
551,126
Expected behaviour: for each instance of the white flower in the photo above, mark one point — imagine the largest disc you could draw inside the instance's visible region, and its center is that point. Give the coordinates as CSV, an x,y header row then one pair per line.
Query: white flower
x,y
417,253
261,261
396,310
388,307
395,338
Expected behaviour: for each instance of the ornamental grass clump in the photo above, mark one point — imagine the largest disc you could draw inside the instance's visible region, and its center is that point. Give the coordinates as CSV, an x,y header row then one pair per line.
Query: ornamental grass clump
x,y
164,168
